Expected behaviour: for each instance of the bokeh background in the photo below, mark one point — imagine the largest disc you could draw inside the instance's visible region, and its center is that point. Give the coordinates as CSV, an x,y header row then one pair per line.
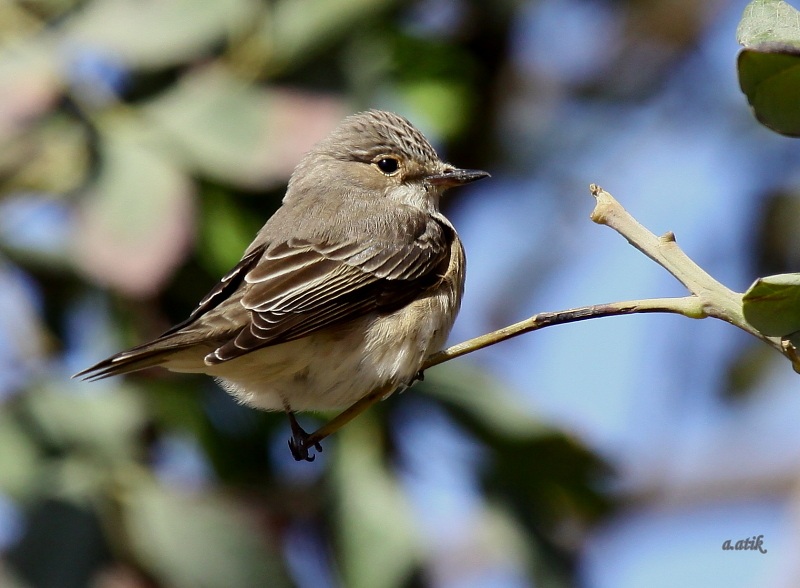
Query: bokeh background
x,y
143,143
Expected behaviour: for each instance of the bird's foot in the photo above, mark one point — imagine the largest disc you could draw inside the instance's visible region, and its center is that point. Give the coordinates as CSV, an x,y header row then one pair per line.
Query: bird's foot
x,y
299,442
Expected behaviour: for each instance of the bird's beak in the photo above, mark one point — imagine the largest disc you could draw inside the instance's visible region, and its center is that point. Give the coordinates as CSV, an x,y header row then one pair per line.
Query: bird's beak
x,y
455,177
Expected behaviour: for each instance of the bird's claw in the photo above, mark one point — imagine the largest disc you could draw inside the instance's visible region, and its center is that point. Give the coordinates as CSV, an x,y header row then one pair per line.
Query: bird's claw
x,y
299,442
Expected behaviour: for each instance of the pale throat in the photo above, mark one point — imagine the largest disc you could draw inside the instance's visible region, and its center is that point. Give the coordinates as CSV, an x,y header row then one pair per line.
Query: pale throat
x,y
415,194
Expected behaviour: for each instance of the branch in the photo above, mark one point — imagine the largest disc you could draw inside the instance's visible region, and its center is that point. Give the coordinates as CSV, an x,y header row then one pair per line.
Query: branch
x,y
708,298
686,306
714,299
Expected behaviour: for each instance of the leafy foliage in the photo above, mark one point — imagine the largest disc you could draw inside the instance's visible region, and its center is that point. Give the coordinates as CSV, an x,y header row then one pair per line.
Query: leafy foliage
x,y
770,78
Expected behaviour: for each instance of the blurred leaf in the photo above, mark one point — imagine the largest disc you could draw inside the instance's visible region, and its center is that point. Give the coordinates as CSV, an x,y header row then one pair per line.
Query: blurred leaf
x,y
8,579
30,84
768,66
158,34
53,157
483,398
231,434
19,458
135,225
16,22
379,546
225,231
552,484
197,541
501,538
298,29
746,369
176,403
63,545
105,424
436,80
772,304
236,133
550,480
777,240
445,104
78,477
48,9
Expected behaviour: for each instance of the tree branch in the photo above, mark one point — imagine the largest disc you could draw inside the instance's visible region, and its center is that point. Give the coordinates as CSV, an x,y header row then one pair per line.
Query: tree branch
x,y
687,306
714,299
708,298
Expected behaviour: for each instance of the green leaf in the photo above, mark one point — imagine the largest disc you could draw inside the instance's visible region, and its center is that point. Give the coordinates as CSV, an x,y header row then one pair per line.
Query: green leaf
x,y
769,66
231,131
197,541
483,399
446,104
770,78
225,231
104,424
378,539
299,29
19,458
158,34
772,304
135,225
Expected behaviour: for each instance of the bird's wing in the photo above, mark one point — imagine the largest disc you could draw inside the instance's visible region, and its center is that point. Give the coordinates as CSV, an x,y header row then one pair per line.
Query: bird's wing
x,y
184,334
224,291
286,290
299,287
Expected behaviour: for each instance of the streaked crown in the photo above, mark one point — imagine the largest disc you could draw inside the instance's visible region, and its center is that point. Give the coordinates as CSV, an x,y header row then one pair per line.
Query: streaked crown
x,y
366,135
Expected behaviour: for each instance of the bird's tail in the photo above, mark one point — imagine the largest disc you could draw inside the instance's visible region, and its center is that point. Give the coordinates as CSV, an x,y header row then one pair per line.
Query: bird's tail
x,y
151,354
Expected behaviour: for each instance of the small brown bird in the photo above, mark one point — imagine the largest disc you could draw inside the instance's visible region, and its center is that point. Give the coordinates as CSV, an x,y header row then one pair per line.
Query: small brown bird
x,y
353,282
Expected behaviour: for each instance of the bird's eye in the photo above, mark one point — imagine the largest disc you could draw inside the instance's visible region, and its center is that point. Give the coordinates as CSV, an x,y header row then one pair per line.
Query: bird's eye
x,y
388,165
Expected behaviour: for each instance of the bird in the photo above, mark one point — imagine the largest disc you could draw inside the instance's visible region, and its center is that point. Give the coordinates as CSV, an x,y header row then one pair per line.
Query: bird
x,y
350,285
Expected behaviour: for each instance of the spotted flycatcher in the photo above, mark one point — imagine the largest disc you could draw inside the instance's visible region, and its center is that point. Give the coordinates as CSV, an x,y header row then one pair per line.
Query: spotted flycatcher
x,y
348,288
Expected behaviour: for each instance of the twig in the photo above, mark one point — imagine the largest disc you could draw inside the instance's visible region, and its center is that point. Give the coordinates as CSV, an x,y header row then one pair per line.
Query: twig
x,y
708,298
714,299
686,306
